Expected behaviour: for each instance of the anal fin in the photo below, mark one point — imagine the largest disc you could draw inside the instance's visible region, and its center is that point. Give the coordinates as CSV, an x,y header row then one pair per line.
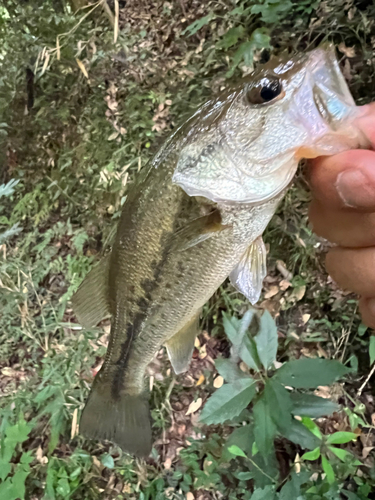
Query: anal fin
x,y
180,347
250,272
91,300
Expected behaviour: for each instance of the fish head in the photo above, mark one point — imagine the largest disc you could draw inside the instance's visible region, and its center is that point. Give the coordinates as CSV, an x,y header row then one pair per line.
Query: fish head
x,y
245,146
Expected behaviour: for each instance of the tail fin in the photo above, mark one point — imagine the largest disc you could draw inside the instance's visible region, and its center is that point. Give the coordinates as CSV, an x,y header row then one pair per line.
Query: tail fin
x,y
124,421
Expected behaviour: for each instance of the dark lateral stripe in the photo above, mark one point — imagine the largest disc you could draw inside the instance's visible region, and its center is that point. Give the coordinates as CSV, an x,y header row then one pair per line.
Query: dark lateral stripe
x,y
135,327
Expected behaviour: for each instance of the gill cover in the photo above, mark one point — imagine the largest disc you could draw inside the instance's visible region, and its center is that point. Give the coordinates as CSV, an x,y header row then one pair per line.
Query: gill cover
x,y
249,153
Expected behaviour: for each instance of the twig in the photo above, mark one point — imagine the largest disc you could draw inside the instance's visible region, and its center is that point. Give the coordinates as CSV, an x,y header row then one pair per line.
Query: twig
x,y
365,382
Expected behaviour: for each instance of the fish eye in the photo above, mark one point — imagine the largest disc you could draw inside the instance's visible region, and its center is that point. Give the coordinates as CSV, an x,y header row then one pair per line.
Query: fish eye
x,y
264,90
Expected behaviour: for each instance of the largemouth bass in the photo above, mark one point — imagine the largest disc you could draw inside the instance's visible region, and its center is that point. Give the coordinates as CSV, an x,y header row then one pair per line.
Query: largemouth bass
x,y
195,217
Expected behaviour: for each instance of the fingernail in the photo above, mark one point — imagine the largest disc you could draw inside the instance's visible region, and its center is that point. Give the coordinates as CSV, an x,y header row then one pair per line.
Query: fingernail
x,y
355,189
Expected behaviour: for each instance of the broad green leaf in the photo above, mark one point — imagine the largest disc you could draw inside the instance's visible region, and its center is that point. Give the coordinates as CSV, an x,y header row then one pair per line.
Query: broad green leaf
x,y
264,426
311,455
242,437
266,340
229,370
243,476
292,488
327,467
232,328
278,398
343,455
341,437
267,493
248,353
107,461
235,450
18,481
309,405
309,373
63,487
300,435
372,349
19,432
231,37
350,495
228,401
198,24
307,422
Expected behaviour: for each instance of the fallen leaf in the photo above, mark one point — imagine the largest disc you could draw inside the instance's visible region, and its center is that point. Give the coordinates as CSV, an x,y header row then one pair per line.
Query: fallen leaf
x,y
273,290
299,292
297,464
197,343
74,429
194,406
218,382
152,378
200,380
168,463
366,451
284,285
348,51
202,352
82,68
305,318
189,496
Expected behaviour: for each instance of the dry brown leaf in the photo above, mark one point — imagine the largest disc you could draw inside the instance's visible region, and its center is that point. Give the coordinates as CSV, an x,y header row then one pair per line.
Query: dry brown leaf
x,y
197,343
323,392
366,451
189,496
74,429
271,292
194,406
299,292
305,318
348,51
284,285
168,463
218,382
200,380
373,418
82,68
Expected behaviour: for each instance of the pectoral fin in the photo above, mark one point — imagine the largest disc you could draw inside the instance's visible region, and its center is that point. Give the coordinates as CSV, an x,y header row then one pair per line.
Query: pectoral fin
x,y
91,302
198,230
250,272
181,346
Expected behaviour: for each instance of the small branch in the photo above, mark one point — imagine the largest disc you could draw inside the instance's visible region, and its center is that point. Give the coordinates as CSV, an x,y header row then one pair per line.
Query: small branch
x,y
367,379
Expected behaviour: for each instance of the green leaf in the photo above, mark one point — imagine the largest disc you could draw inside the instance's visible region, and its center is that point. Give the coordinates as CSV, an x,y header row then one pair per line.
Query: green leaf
x,y
231,37
248,353
309,405
309,373
267,493
8,188
278,398
292,488
198,24
311,455
266,340
63,487
372,349
341,437
298,434
107,461
264,427
19,432
327,467
343,455
242,437
232,328
229,370
307,422
235,450
228,401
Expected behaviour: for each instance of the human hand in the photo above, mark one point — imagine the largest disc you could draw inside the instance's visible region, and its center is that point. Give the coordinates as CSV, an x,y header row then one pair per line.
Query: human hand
x,y
343,212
